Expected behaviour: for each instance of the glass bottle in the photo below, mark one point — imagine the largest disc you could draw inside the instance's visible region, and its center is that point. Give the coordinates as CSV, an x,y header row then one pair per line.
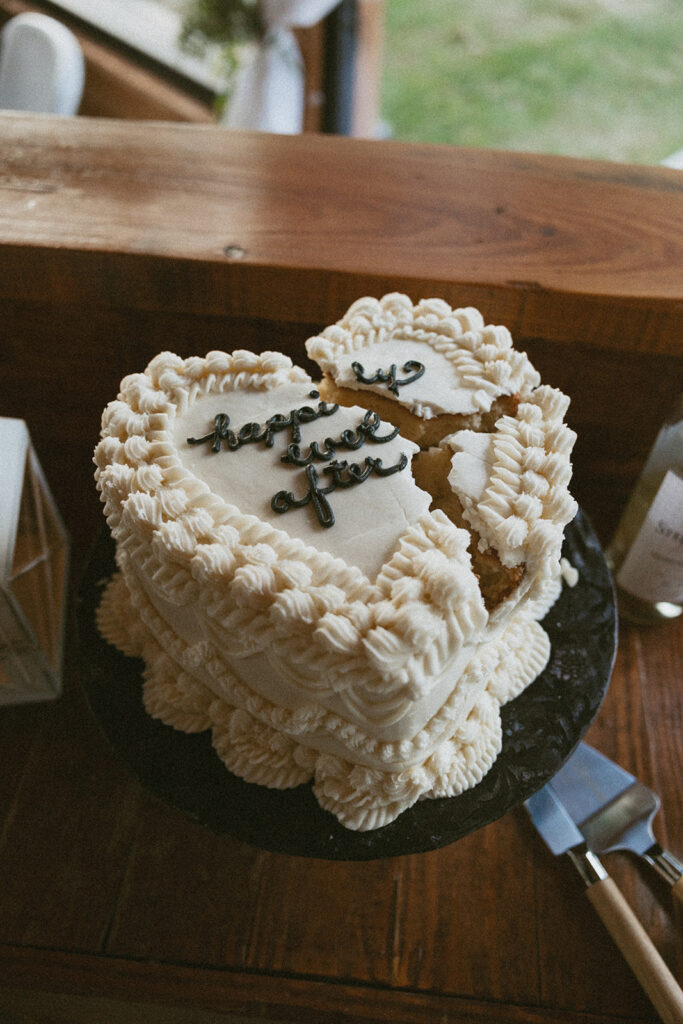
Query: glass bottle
x,y
646,551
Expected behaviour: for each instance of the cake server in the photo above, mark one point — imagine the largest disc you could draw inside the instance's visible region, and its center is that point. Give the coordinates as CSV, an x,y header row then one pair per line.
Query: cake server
x,y
614,811
561,835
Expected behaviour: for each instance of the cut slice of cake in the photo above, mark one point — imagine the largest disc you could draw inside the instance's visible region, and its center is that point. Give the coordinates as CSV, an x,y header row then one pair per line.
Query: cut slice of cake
x,y
495,450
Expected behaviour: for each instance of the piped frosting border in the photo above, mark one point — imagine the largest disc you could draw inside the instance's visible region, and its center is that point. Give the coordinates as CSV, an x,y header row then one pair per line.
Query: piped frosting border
x,y
525,506
267,745
482,355
378,645
258,586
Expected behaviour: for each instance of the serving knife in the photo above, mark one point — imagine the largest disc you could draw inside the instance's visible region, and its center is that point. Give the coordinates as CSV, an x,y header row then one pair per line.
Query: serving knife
x,y
614,811
561,835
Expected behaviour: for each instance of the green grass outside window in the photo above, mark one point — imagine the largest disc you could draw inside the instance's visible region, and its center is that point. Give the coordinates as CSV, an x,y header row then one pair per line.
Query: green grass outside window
x,y
588,78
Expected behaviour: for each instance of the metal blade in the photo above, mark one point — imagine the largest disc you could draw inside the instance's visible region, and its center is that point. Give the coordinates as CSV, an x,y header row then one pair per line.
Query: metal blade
x,y
552,821
624,823
613,810
588,781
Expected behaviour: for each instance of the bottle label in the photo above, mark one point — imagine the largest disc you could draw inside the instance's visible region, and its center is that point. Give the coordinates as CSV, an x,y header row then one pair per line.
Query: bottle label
x,y
653,567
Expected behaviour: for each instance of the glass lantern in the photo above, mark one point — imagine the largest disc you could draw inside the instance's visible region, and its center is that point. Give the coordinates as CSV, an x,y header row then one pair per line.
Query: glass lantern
x,y
34,557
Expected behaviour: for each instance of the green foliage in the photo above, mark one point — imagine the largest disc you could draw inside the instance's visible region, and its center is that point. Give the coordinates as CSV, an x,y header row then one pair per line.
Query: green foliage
x,y
220,29
225,22
591,78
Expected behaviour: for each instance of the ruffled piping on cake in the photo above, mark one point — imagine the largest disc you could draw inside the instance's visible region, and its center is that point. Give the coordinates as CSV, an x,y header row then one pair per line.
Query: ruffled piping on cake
x,y
482,355
257,740
247,574
311,718
363,799
526,506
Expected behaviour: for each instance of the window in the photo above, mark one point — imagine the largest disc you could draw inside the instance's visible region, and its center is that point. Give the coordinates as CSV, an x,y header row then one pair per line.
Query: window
x,y
150,27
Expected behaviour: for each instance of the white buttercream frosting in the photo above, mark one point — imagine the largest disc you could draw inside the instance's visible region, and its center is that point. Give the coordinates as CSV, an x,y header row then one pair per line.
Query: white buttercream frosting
x,y
359,655
256,473
259,586
467,363
365,783
513,484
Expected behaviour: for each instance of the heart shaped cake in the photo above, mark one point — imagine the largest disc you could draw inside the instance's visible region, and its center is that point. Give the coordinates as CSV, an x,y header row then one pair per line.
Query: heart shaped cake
x,y
342,579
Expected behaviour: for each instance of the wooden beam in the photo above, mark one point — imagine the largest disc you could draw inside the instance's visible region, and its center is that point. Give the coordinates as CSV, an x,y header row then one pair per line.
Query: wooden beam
x,y
123,991
120,238
289,229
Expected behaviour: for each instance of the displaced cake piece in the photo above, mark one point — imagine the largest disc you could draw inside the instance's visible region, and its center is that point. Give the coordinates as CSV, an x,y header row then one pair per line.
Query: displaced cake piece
x,y
457,387
430,369
423,431
431,470
332,602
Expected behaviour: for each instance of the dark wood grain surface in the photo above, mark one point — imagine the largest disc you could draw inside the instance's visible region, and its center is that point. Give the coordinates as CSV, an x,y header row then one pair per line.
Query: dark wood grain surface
x,y
115,907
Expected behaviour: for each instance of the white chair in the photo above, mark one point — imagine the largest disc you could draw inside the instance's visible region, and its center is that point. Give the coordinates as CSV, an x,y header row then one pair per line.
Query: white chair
x,y
675,160
41,66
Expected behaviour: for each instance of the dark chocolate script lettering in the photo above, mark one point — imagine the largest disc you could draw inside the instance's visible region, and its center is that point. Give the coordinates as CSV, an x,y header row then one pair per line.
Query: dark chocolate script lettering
x,y
389,377
343,475
222,434
349,439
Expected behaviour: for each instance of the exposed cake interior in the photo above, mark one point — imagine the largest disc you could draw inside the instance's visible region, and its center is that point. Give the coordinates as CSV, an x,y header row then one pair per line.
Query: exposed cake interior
x,y
431,468
424,432
384,352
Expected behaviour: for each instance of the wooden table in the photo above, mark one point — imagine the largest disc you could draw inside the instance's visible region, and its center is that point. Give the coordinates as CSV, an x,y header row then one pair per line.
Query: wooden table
x,y
118,240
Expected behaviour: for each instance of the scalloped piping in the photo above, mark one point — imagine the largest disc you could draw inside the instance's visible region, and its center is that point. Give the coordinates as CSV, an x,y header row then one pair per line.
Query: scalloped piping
x,y
482,355
250,734
525,505
252,582
173,518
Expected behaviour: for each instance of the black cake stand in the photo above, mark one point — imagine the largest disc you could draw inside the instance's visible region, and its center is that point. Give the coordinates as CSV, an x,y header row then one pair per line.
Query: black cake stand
x,y
541,728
